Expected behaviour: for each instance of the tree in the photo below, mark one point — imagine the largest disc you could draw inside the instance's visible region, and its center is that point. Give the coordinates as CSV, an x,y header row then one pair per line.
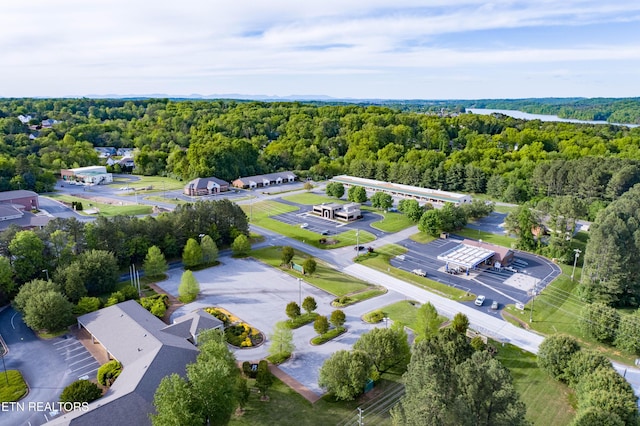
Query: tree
x,y
584,363
608,391
430,223
287,255
86,305
81,391
293,310
264,378
387,347
411,209
628,336
594,416
241,245
309,304
99,271
72,279
209,250
345,373
281,340
600,321
357,194
7,285
524,224
460,323
27,252
448,383
309,266
321,324
49,311
174,403
308,186
335,189
155,265
30,290
451,217
192,254
338,318
242,391
381,200
189,287
109,372
554,355
427,322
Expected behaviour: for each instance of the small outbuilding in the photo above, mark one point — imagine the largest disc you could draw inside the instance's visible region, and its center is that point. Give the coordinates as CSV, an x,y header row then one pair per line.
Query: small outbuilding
x,y
206,186
91,175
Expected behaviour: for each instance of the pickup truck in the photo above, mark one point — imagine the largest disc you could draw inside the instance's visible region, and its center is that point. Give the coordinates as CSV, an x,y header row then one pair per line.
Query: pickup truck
x,y
419,272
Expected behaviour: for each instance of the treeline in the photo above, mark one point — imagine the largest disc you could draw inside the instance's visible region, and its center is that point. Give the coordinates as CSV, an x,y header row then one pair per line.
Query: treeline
x,y
502,156
25,255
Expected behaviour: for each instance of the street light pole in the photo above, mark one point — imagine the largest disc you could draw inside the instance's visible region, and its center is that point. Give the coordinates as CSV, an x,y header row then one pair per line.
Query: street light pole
x,y
300,292
575,261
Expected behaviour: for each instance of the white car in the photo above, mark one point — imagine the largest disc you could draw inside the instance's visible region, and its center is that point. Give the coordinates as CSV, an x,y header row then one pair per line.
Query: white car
x,y
419,272
479,300
304,225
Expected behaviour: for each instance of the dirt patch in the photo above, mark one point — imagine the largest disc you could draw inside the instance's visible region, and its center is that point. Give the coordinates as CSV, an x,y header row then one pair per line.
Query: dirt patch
x,y
521,323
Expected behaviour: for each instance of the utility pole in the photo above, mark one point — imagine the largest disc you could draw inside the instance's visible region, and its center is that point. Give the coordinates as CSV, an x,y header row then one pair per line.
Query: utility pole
x,y
300,292
575,261
533,301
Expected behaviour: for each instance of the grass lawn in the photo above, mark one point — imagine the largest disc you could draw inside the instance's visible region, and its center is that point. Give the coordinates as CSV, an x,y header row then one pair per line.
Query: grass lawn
x,y
260,214
380,261
105,209
325,277
310,199
405,312
392,222
422,238
15,390
558,309
287,407
159,183
501,240
547,400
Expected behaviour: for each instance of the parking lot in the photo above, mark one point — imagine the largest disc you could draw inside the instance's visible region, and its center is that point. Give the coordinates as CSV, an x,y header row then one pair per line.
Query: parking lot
x,y
81,364
511,285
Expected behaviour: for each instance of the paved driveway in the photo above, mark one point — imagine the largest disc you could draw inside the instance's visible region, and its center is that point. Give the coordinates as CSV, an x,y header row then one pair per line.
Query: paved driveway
x,y
258,294
48,366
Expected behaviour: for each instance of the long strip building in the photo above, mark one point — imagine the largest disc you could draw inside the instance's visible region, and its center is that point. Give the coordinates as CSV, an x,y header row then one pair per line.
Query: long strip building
x,y
426,195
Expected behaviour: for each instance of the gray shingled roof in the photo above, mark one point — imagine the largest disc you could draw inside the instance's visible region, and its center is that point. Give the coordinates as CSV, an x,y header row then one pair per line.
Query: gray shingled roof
x,y
137,339
269,176
189,326
19,193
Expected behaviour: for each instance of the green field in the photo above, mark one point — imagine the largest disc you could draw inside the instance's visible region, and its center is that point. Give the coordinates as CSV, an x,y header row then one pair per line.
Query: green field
x,y
325,277
422,238
392,222
380,261
159,183
105,209
260,214
405,312
547,400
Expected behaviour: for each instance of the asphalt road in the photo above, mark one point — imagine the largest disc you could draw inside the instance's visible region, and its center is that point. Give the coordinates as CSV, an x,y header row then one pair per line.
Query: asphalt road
x,y
48,366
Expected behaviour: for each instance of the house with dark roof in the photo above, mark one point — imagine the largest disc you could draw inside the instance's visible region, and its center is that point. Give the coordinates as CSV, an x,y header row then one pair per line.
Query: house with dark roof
x,y
260,181
148,349
205,186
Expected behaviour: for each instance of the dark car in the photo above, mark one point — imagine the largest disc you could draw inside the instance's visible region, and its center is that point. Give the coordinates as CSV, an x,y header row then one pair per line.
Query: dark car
x,y
325,232
358,248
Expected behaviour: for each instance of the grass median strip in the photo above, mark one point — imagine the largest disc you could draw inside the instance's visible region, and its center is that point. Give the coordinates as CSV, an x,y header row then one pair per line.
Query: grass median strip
x,y
15,389
104,209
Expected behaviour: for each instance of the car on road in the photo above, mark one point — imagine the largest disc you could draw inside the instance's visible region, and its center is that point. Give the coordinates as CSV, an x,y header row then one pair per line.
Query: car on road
x,y
419,272
494,305
304,225
479,300
358,248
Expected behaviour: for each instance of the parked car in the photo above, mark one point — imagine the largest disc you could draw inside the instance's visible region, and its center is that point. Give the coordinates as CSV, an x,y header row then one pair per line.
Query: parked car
x,y
304,225
358,248
419,272
479,300
325,232
494,305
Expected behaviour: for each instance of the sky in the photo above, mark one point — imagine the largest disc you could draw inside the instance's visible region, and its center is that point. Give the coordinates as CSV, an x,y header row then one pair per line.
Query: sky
x,y
364,49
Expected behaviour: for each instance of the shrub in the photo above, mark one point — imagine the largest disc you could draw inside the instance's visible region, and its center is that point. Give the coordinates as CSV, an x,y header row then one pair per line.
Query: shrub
x,y
109,372
342,301
338,318
219,314
86,305
81,391
321,324
264,378
374,316
155,305
293,310
600,321
129,292
309,304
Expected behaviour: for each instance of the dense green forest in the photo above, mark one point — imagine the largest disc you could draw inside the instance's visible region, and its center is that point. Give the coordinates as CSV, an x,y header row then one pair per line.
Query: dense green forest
x,y
513,160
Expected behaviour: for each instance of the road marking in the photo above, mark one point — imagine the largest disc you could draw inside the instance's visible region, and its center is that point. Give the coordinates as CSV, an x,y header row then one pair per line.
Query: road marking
x,y
83,367
82,360
63,341
14,315
73,356
67,345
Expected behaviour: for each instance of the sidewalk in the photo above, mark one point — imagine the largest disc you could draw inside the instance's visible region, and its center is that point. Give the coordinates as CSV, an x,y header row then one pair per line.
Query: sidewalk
x,y
294,384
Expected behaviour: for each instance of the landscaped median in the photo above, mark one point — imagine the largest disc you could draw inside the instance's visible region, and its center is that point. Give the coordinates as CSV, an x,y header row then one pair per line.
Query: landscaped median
x,y
12,386
324,277
380,260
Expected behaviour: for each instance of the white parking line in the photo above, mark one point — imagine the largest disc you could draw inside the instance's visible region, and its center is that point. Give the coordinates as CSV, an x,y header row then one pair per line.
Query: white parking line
x,y
67,345
82,360
83,367
73,356
63,341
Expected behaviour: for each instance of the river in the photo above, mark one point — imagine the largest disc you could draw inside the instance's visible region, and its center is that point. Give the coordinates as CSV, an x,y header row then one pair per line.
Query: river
x,y
541,117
